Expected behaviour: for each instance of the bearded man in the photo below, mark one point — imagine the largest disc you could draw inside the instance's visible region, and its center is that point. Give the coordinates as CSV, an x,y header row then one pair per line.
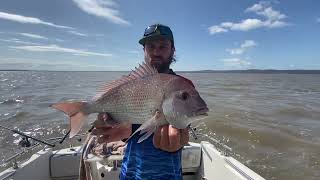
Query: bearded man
x,y
159,156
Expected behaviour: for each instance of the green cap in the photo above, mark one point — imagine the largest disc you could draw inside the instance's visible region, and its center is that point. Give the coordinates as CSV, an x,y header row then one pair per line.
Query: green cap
x,y
156,31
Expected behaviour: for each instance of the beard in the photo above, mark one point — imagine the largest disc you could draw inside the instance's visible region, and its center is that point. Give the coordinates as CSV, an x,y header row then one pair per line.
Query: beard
x,y
161,67
159,64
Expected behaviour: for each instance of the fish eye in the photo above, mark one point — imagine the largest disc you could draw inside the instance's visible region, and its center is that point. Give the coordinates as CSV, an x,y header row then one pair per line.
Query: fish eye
x,y
184,96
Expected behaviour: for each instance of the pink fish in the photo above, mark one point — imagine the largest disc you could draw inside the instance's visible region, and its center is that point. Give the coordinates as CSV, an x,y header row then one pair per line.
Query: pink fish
x,y
143,97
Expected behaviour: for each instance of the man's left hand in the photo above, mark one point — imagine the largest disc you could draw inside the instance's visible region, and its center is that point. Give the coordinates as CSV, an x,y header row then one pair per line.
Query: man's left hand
x,y
169,138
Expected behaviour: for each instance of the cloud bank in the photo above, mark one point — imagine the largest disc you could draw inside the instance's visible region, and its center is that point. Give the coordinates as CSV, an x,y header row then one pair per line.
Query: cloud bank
x,y
56,48
243,47
236,63
77,33
35,36
29,20
101,8
271,19
18,41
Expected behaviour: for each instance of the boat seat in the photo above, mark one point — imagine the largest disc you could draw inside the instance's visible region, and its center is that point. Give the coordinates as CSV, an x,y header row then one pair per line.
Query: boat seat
x,y
108,168
61,159
191,158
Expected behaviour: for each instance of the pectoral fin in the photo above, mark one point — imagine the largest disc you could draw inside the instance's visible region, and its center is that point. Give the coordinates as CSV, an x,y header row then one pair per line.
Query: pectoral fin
x,y
148,127
147,134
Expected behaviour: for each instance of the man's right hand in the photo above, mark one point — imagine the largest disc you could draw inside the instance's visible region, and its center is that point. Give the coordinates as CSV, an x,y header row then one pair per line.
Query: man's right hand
x,y
108,132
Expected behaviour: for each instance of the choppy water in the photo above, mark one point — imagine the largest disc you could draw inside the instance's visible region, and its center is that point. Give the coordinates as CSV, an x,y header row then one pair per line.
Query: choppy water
x,y
271,121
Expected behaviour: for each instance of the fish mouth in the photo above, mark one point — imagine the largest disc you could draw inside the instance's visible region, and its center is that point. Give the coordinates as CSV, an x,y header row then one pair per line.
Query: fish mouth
x,y
202,111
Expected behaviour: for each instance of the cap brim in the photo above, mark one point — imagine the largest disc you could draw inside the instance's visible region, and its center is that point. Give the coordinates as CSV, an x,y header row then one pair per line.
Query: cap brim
x,y
154,37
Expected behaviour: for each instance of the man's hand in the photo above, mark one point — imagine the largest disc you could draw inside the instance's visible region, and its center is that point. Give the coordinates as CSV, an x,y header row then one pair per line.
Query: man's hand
x,y
108,132
169,138
166,138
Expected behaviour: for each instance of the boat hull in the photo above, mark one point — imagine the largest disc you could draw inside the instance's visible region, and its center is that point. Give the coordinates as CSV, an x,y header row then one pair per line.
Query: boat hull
x,y
199,161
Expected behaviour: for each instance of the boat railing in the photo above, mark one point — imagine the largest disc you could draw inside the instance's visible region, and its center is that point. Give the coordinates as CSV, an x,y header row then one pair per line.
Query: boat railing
x,y
27,146
223,148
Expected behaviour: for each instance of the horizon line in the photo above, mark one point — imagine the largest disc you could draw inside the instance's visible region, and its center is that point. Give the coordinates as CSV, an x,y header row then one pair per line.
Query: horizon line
x,y
176,71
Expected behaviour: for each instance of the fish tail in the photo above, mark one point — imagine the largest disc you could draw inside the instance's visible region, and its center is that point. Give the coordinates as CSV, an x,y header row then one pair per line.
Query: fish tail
x,y
76,114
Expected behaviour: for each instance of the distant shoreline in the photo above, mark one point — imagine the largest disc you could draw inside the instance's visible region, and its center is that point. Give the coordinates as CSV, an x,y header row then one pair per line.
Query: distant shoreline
x,y
249,71
260,71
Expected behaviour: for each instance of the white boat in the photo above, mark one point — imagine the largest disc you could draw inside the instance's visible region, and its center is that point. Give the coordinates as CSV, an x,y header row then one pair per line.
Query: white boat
x,y
199,161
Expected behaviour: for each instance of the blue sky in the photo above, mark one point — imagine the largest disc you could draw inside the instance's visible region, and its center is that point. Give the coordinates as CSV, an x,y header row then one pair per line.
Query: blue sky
x,y
209,34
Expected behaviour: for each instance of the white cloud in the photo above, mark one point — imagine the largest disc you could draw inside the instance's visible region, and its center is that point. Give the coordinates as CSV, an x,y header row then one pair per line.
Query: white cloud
x,y
256,7
236,63
272,19
243,47
64,65
248,43
55,48
40,64
18,41
101,8
217,29
35,36
30,20
244,25
77,33
318,20
267,12
60,40
235,51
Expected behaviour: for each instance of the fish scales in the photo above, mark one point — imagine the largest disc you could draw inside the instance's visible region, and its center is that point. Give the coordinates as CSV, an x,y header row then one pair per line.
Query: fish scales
x,y
135,101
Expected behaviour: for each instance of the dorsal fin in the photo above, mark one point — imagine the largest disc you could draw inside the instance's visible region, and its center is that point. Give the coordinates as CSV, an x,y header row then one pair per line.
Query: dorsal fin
x,y
140,72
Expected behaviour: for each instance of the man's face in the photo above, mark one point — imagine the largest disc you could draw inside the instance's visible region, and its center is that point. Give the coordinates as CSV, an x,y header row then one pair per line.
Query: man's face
x,y
159,53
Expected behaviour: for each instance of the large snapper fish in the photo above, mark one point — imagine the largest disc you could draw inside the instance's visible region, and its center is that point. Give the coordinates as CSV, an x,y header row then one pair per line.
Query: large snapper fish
x,y
143,97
